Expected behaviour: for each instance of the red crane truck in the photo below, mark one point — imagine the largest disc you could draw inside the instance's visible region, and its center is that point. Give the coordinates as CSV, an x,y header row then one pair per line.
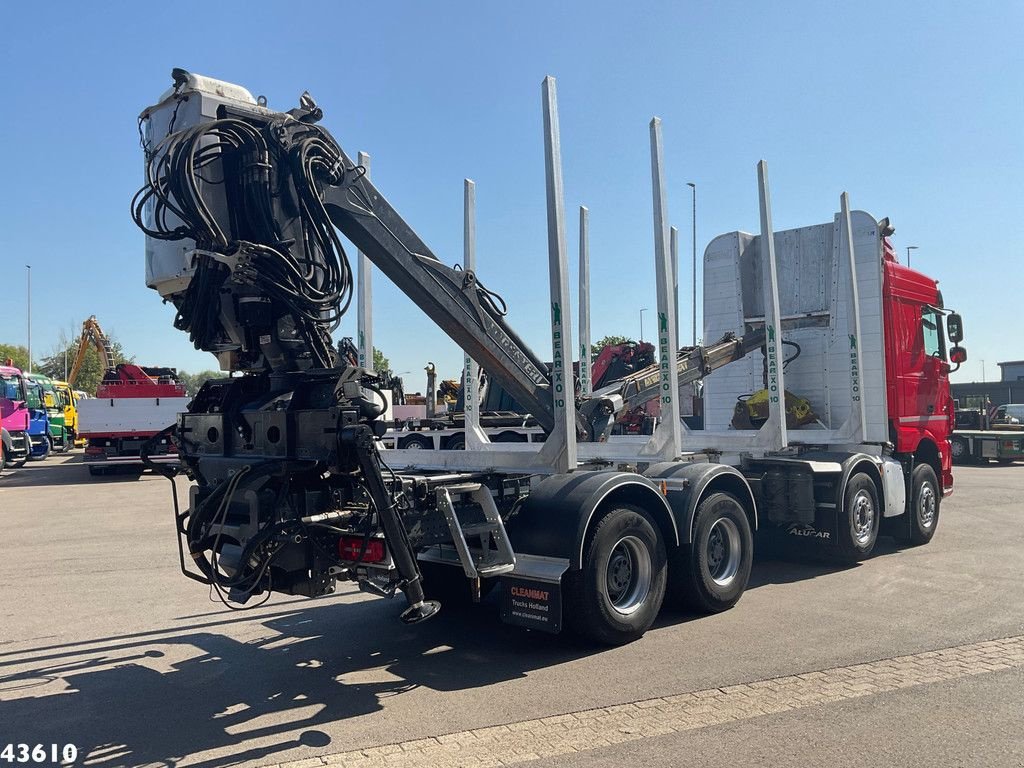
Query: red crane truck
x,y
132,404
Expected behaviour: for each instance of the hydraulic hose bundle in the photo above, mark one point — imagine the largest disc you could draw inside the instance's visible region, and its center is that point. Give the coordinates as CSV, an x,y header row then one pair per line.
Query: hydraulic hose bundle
x,y
271,215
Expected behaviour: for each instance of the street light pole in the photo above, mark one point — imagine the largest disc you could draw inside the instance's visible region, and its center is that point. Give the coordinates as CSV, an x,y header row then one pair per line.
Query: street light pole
x,y
693,186
28,275
642,323
909,249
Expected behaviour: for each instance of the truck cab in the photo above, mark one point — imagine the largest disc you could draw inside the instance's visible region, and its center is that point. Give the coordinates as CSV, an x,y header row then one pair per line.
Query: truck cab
x,y
54,407
69,401
38,420
920,408
14,416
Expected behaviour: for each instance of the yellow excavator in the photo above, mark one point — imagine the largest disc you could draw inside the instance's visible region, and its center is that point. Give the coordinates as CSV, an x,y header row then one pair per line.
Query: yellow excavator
x,y
93,335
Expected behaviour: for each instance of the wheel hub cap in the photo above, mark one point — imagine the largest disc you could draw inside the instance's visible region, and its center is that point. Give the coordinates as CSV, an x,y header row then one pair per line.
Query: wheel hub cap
x,y
723,551
863,518
629,574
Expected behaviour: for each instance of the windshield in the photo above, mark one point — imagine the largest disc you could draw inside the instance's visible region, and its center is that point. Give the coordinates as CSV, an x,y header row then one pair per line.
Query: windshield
x,y
11,387
34,395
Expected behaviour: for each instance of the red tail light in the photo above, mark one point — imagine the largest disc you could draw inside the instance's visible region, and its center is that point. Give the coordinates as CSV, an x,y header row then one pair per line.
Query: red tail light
x,y
92,450
349,548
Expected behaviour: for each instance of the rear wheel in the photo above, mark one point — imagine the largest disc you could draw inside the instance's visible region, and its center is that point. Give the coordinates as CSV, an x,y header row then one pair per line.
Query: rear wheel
x,y
960,450
859,520
416,443
615,597
711,574
924,506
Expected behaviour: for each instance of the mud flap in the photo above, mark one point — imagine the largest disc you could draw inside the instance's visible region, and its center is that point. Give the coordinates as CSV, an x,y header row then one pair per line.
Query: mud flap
x,y
531,596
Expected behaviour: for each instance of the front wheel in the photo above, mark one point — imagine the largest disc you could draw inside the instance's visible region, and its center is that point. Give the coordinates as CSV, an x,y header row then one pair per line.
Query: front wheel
x,y
924,506
615,597
711,575
859,520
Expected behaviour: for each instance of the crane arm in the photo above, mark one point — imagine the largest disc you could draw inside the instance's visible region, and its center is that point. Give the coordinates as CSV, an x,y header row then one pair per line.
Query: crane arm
x,y
692,364
91,333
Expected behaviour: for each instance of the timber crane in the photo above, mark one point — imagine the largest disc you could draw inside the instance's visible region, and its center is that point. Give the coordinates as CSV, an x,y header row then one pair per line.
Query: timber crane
x,y
242,207
93,335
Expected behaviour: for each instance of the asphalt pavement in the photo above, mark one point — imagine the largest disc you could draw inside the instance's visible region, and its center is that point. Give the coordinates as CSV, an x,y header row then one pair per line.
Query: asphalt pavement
x,y
104,644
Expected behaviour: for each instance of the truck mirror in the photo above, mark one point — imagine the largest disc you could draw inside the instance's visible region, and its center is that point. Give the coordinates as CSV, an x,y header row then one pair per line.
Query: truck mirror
x,y
955,328
958,355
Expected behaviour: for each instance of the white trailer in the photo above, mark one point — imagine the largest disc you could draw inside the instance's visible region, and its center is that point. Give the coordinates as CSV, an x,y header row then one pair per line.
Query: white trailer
x,y
115,429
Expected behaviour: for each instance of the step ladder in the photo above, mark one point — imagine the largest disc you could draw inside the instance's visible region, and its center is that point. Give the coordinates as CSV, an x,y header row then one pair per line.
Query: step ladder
x,y
482,560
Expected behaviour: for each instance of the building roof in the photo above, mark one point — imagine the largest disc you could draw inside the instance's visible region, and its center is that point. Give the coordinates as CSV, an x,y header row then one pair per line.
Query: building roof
x,y
1012,362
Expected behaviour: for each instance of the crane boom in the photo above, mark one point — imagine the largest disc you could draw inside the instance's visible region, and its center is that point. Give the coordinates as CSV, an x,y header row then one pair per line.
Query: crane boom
x,y
91,334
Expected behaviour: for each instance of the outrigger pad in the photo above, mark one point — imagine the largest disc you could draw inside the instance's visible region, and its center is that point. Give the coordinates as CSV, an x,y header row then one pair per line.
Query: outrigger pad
x,y
415,614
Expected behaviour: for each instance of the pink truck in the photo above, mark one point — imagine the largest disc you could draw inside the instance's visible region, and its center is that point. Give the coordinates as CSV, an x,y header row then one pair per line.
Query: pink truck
x,y
14,416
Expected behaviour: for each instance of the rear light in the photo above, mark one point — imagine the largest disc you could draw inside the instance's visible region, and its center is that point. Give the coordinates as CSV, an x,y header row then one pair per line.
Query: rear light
x,y
349,548
93,450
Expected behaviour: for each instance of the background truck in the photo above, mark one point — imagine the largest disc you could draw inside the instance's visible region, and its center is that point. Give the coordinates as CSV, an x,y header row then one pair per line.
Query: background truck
x,y
68,400
14,416
293,492
982,434
54,404
132,405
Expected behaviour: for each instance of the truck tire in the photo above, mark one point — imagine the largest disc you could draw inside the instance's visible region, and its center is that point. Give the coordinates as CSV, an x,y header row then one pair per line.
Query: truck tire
x,y
924,506
859,520
960,450
448,585
617,594
456,443
710,574
416,442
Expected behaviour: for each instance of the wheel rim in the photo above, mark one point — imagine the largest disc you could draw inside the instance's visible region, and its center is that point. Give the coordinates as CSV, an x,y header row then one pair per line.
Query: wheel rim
x,y
956,449
414,445
862,521
926,503
628,576
723,551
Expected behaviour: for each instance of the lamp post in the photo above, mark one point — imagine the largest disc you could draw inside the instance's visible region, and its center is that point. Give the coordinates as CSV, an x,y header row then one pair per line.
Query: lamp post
x,y
909,249
642,323
28,276
693,186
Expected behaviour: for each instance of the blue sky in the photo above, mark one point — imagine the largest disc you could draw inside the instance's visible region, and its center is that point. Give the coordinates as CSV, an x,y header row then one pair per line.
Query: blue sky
x,y
915,109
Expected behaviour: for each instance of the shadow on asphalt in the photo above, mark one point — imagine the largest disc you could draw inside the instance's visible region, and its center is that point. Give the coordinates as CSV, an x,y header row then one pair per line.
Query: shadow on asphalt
x,y
66,470
307,667
156,697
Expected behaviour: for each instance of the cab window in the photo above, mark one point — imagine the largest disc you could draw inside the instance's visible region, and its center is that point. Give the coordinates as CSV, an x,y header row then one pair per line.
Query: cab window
x,y
10,388
34,396
931,324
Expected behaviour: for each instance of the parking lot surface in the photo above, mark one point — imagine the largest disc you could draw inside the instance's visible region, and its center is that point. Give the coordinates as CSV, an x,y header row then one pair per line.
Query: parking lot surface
x,y
916,655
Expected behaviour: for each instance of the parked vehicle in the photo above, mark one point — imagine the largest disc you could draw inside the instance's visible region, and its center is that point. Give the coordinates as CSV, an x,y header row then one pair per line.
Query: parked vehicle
x,y
69,400
984,434
14,417
293,492
38,421
53,403
132,404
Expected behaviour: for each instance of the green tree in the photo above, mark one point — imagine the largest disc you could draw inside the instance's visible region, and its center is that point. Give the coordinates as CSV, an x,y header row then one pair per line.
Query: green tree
x,y
91,373
17,354
607,341
380,363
